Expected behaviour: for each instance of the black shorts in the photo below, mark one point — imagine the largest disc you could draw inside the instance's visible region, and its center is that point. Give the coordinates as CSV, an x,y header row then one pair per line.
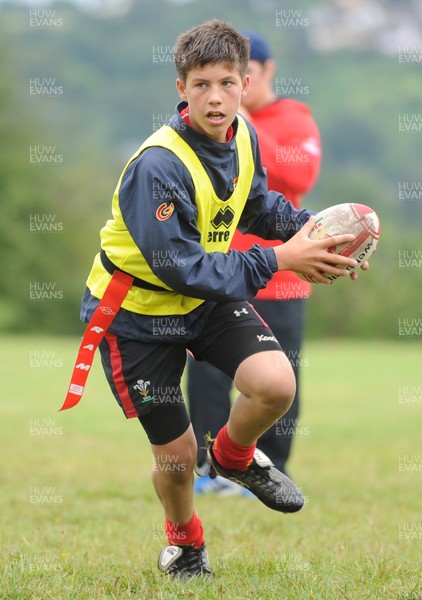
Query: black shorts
x,y
145,377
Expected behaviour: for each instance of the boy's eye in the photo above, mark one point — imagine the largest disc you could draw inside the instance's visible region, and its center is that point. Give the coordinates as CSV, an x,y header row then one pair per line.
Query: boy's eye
x,y
201,85
227,83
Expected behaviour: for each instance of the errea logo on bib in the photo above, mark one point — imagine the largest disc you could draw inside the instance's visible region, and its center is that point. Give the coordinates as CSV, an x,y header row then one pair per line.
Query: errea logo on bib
x,y
223,218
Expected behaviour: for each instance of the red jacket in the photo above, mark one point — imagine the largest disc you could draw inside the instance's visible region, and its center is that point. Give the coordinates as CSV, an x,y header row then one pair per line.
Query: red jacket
x,y
289,143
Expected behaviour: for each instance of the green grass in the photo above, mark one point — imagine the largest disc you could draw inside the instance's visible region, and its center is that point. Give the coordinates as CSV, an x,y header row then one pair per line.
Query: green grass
x,y
92,528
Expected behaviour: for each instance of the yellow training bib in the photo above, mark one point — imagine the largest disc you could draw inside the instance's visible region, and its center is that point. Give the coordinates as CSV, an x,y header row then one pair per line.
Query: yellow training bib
x,y
217,222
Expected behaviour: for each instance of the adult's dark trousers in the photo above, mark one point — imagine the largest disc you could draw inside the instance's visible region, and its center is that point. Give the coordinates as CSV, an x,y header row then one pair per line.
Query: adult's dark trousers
x,y
209,389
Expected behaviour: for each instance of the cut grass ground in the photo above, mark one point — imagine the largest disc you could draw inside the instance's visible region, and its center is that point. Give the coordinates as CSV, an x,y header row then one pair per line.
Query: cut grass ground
x,y
80,519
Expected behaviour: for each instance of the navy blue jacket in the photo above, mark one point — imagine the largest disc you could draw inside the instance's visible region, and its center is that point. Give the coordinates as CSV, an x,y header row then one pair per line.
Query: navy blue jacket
x,y
216,277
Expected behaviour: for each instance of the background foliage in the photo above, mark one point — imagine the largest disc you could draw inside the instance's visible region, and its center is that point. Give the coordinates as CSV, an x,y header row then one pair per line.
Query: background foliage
x,y
114,91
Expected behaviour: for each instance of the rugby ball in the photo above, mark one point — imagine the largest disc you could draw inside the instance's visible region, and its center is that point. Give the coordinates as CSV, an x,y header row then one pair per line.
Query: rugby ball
x,y
358,219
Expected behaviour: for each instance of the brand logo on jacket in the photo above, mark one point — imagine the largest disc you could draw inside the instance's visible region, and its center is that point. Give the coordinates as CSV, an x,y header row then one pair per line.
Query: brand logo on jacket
x,y
164,211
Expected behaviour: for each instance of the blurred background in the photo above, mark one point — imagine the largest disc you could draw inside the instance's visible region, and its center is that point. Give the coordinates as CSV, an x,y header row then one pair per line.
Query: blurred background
x,y
83,83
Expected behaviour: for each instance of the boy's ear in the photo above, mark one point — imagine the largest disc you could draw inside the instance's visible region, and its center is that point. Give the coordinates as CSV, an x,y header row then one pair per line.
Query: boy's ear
x,y
245,85
181,89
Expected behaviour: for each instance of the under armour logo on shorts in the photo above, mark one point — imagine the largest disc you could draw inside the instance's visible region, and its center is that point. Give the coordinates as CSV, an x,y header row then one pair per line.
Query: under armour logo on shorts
x,y
240,312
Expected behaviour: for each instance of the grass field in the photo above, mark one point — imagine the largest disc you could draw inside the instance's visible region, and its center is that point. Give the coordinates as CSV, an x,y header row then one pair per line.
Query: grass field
x,y
80,519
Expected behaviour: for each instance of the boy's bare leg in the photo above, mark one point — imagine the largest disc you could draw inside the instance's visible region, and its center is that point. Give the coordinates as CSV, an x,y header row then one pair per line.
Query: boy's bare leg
x,y
267,387
172,476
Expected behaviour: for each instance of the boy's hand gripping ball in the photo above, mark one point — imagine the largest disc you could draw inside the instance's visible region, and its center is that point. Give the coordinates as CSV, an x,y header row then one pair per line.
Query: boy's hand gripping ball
x,y
358,219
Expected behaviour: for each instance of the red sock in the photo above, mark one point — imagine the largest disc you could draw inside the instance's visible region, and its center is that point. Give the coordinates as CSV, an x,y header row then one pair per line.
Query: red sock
x,y
229,454
189,534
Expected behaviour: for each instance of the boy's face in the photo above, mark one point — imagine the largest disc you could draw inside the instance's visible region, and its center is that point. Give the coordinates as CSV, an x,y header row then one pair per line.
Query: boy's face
x,y
213,93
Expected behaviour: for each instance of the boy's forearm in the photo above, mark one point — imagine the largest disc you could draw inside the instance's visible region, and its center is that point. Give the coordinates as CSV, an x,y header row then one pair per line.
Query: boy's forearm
x,y
219,276
280,220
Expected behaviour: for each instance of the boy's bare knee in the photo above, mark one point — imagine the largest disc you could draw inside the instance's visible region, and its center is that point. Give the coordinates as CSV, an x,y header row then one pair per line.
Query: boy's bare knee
x,y
277,395
177,458
268,379
179,463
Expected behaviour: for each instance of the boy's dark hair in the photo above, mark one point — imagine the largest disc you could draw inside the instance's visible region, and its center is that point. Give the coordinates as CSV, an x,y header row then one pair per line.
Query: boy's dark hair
x,y
211,43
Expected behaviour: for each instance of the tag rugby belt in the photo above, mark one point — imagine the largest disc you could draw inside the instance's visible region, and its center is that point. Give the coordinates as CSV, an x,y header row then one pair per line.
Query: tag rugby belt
x,y
141,283
103,316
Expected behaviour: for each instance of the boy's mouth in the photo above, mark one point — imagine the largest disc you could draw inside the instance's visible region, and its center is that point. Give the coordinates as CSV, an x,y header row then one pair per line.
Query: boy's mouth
x,y
215,115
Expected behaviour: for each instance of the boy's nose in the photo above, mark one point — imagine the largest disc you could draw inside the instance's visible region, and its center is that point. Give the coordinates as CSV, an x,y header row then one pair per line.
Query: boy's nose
x,y
215,96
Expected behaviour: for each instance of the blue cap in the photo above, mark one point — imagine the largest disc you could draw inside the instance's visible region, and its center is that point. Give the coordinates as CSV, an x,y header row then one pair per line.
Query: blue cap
x,y
260,49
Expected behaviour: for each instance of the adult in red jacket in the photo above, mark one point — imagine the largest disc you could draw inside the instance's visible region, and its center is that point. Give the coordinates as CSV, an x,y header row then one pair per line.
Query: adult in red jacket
x,y
289,144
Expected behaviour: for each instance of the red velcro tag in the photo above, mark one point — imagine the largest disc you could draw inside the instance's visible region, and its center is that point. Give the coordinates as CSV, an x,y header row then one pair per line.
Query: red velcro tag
x,y
101,320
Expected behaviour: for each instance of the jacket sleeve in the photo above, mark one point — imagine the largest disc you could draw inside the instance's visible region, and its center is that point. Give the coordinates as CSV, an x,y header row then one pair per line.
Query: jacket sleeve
x,y
171,244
